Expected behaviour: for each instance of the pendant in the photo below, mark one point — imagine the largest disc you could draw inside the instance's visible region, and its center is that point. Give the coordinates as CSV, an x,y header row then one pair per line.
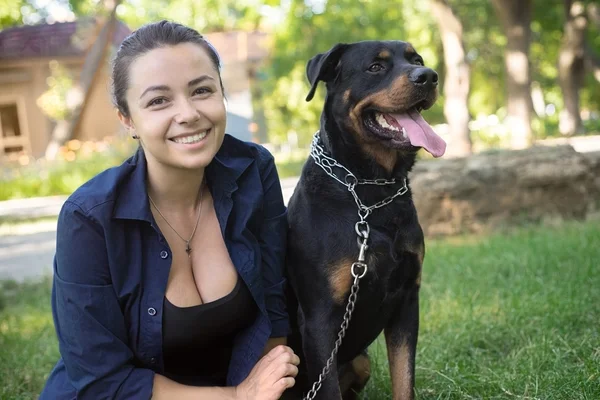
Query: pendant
x,y
188,249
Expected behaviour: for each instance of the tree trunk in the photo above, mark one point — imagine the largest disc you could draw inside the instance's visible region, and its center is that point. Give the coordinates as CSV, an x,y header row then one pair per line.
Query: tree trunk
x,y
571,66
592,60
515,16
91,67
457,81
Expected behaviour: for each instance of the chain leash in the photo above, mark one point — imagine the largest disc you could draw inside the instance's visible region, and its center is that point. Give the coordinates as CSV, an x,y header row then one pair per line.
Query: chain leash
x,y
359,268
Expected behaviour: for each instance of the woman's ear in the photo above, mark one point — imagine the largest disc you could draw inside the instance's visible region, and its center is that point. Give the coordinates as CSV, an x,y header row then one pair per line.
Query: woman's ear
x,y
125,121
127,124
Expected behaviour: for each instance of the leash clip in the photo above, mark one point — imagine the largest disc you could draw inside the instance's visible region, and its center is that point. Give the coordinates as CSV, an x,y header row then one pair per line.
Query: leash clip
x,y
359,275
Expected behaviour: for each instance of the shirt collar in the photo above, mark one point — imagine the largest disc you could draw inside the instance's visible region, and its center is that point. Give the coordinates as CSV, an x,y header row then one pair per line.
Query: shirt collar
x,y
221,174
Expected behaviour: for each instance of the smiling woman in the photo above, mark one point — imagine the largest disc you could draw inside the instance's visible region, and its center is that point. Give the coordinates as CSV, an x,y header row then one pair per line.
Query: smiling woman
x,y
168,275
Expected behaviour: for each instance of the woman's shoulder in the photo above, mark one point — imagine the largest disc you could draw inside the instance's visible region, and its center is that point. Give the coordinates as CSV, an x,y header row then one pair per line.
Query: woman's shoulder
x,y
234,147
103,188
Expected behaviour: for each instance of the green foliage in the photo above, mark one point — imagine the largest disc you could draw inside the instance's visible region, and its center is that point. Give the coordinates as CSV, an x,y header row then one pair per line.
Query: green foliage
x,y
77,164
309,30
205,16
53,102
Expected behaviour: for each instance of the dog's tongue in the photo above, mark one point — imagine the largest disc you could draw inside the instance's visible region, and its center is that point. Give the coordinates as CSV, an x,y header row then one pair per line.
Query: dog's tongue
x,y
420,133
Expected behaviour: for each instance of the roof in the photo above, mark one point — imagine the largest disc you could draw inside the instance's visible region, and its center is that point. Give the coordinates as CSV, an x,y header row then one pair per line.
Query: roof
x,y
61,39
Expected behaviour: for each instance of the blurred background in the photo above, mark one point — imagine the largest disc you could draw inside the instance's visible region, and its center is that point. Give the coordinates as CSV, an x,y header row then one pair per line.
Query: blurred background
x,y
511,211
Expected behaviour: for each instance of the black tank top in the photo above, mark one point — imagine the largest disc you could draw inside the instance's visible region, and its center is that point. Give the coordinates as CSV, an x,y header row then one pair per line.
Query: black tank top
x,y
197,340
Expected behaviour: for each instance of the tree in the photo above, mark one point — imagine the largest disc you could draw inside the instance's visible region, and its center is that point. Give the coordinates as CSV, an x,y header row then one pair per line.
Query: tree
x,y
458,78
571,66
65,129
515,16
591,57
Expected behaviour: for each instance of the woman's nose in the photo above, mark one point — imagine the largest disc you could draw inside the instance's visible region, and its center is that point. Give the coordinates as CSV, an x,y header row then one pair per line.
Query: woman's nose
x,y
187,113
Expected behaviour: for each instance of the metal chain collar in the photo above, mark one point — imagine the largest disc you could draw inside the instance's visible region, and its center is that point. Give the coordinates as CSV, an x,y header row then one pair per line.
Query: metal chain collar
x,y
328,163
359,268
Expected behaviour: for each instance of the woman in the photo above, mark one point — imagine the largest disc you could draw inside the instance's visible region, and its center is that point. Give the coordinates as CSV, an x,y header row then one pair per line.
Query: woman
x,y
168,274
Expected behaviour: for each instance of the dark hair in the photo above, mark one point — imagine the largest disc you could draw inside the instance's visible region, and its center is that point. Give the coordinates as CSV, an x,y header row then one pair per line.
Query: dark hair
x,y
146,38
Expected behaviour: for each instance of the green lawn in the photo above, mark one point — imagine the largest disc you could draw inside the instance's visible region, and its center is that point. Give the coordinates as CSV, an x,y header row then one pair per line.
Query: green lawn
x,y
513,316
508,317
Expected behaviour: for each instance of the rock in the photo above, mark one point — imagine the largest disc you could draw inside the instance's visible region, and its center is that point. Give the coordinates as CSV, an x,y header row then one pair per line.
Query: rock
x,y
505,187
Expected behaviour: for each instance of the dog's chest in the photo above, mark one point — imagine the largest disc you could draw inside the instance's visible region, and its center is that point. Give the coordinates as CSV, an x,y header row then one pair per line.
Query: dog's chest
x,y
393,259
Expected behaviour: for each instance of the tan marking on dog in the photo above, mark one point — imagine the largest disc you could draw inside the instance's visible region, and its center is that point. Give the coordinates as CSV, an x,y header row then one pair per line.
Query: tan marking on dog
x,y
362,368
418,280
354,376
347,96
383,156
340,279
399,359
410,49
384,54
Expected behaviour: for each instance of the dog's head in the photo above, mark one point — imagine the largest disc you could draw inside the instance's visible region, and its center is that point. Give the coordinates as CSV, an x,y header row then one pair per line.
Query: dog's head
x,y
376,91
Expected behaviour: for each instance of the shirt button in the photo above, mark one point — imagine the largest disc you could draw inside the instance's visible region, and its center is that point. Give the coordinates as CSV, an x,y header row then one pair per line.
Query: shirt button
x,y
152,311
153,360
164,254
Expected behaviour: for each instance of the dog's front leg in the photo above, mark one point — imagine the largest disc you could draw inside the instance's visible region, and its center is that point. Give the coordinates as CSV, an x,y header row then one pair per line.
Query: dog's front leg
x,y
318,340
401,339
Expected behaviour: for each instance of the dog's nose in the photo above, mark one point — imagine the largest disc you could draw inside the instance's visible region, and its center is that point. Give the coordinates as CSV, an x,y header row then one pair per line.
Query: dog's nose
x,y
423,76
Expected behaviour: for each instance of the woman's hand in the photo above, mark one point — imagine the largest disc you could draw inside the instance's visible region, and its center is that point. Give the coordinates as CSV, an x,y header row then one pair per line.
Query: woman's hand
x,y
271,376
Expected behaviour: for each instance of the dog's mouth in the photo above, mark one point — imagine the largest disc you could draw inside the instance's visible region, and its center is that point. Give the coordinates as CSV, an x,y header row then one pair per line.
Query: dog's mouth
x,y
401,129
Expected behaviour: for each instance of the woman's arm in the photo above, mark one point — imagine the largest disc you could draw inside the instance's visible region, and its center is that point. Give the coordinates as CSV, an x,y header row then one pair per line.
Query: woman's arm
x,y
166,389
273,240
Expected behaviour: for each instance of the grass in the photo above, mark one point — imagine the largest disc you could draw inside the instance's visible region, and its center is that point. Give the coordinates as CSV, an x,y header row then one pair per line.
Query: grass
x,y
511,316
27,339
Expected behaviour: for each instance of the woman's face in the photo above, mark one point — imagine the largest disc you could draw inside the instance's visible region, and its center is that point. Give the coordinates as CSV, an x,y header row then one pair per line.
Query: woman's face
x,y
176,106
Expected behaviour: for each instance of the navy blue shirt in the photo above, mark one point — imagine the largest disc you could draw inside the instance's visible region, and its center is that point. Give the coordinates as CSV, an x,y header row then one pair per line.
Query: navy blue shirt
x,y
112,264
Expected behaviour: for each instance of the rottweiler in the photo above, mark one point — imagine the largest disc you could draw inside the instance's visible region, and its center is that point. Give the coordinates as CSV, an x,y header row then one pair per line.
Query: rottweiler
x,y
352,220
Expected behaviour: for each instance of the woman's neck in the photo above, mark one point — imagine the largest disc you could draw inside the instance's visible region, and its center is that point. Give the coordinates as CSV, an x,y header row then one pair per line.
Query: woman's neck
x,y
174,187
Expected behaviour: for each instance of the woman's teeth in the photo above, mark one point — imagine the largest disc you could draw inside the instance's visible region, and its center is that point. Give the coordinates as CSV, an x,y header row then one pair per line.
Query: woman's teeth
x,y
191,139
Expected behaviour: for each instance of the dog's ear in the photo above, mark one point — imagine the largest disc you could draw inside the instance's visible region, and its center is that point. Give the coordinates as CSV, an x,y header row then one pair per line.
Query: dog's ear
x,y
322,67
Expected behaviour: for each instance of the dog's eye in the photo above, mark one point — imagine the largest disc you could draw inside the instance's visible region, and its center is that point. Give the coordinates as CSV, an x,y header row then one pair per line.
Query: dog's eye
x,y
375,67
419,61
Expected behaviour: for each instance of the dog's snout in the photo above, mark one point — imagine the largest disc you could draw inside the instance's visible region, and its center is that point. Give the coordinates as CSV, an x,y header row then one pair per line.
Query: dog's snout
x,y
423,76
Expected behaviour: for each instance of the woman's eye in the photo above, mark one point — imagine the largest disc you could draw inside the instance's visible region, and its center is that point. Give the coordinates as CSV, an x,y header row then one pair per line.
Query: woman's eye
x,y
375,67
202,90
157,102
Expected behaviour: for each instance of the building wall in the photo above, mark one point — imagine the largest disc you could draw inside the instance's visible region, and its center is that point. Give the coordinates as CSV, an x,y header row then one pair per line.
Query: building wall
x,y
100,116
24,81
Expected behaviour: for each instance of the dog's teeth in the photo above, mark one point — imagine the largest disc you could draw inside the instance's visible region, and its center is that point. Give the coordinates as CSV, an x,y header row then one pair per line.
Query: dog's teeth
x,y
383,123
404,135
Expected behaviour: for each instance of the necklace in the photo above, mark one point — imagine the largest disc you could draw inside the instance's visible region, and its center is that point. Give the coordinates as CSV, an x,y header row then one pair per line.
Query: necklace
x,y
188,249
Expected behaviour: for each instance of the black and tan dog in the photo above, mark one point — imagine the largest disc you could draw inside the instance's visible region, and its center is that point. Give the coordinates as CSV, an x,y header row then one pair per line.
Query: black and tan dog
x,y
371,129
